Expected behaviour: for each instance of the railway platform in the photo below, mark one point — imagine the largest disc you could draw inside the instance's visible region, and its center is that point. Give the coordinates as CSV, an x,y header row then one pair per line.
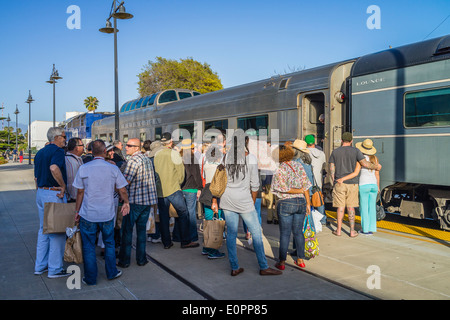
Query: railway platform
x,y
390,265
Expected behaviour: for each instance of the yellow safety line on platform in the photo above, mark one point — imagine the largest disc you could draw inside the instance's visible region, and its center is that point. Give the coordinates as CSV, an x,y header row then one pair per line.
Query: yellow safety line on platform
x,y
395,226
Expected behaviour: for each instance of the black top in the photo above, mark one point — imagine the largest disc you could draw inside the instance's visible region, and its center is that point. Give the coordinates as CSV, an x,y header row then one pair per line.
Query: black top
x,y
192,177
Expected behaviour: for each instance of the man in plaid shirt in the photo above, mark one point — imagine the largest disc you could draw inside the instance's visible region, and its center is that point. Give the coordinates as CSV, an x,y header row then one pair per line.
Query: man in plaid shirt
x,y
142,196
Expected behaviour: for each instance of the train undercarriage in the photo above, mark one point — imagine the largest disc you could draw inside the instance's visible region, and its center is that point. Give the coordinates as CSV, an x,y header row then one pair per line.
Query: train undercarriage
x,y
418,201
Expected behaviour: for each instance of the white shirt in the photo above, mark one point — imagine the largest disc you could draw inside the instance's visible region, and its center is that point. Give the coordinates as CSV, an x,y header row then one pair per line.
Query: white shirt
x,y
317,161
98,179
367,176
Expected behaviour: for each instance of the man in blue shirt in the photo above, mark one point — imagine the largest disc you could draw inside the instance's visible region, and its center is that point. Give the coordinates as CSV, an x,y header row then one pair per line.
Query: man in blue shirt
x,y
50,176
96,182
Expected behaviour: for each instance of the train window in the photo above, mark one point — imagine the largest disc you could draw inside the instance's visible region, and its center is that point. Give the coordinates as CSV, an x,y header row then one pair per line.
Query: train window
x,y
195,93
184,95
151,101
139,103
257,123
284,84
145,102
133,105
430,108
168,96
127,108
189,127
216,124
158,133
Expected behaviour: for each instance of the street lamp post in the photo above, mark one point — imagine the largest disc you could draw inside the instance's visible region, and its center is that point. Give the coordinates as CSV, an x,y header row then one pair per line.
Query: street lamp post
x,y
117,12
53,77
29,101
8,120
17,121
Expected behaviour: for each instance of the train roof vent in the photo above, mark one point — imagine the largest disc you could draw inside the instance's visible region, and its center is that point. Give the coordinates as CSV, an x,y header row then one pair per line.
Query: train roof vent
x,y
443,46
284,83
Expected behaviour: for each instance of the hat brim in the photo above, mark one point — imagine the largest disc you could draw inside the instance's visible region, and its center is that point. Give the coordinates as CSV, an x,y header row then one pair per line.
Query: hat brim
x,y
302,150
369,152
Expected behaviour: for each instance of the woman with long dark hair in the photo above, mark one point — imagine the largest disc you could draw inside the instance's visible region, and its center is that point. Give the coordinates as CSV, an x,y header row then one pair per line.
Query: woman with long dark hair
x,y
239,200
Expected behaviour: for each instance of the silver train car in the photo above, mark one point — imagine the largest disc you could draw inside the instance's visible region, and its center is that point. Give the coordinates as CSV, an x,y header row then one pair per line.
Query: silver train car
x,y
399,98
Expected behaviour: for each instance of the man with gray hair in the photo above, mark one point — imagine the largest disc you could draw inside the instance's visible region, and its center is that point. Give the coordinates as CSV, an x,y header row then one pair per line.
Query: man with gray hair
x,y
50,175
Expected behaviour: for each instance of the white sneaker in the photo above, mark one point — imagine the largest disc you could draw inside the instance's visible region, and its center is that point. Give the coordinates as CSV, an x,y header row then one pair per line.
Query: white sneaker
x,y
156,240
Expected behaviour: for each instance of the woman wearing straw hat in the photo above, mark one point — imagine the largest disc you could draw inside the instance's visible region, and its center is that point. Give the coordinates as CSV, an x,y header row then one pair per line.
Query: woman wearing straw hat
x,y
369,185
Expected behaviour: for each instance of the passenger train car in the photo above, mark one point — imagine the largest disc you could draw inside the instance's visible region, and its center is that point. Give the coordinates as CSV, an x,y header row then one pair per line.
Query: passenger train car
x,y
399,98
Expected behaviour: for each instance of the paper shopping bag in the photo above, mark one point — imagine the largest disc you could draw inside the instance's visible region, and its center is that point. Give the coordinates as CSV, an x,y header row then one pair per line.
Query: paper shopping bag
x,y
58,217
213,233
73,252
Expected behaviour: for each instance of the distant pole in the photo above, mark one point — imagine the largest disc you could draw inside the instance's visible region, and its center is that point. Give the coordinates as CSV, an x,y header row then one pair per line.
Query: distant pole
x,y
29,101
8,120
17,121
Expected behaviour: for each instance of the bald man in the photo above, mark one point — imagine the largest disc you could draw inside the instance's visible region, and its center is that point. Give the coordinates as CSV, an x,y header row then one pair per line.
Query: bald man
x,y
142,196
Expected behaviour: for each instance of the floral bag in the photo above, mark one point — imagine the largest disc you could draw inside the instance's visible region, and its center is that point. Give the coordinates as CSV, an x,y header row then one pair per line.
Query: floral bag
x,y
311,243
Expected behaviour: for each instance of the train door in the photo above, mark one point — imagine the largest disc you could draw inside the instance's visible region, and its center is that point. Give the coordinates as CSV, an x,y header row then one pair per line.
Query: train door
x,y
313,111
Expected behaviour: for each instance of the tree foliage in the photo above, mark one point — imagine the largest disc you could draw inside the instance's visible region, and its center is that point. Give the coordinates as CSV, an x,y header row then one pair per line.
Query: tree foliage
x,y
170,74
91,103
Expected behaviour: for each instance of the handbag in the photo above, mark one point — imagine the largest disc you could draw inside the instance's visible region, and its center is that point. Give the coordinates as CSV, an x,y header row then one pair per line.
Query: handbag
x,y
58,217
213,233
311,243
316,195
219,181
73,251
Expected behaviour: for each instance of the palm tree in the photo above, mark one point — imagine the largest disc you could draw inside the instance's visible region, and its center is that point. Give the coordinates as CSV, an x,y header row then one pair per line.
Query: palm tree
x,y
91,103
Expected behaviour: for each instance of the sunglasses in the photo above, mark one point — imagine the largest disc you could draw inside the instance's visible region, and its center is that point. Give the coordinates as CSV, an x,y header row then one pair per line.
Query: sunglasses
x,y
131,146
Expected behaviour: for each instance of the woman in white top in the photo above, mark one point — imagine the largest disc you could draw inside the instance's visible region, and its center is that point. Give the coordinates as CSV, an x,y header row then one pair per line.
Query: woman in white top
x,y
369,186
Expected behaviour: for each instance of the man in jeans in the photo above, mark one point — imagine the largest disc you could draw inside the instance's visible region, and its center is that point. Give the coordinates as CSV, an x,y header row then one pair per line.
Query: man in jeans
x,y
96,182
170,168
142,195
50,177
343,162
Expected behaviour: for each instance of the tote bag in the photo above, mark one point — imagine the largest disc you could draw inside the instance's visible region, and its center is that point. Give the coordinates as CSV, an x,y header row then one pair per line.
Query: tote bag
x,y
213,233
311,243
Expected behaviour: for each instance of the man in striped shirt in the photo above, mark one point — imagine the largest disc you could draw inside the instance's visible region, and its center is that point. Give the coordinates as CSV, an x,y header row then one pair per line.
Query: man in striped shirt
x,y
75,148
142,195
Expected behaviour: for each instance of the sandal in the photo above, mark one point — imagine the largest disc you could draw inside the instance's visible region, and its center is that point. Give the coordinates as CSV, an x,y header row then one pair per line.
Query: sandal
x,y
335,233
301,265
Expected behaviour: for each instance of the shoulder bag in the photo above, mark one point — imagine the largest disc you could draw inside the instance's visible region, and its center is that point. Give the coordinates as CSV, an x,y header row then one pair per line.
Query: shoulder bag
x,y
219,181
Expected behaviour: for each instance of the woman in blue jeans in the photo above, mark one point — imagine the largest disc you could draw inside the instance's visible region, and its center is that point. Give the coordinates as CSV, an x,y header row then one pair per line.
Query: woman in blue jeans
x,y
239,200
291,184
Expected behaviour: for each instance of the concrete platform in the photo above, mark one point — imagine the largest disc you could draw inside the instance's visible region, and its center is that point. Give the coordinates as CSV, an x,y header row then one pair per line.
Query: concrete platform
x,y
410,267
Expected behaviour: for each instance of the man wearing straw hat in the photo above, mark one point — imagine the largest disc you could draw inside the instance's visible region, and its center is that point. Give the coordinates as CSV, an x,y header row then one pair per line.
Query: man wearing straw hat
x,y
342,162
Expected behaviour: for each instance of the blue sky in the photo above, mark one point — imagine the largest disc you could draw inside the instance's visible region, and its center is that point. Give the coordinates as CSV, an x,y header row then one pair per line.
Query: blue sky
x,y
243,41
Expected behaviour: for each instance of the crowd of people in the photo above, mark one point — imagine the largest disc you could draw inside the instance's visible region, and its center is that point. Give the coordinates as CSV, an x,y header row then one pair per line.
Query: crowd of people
x,y
114,194
16,154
